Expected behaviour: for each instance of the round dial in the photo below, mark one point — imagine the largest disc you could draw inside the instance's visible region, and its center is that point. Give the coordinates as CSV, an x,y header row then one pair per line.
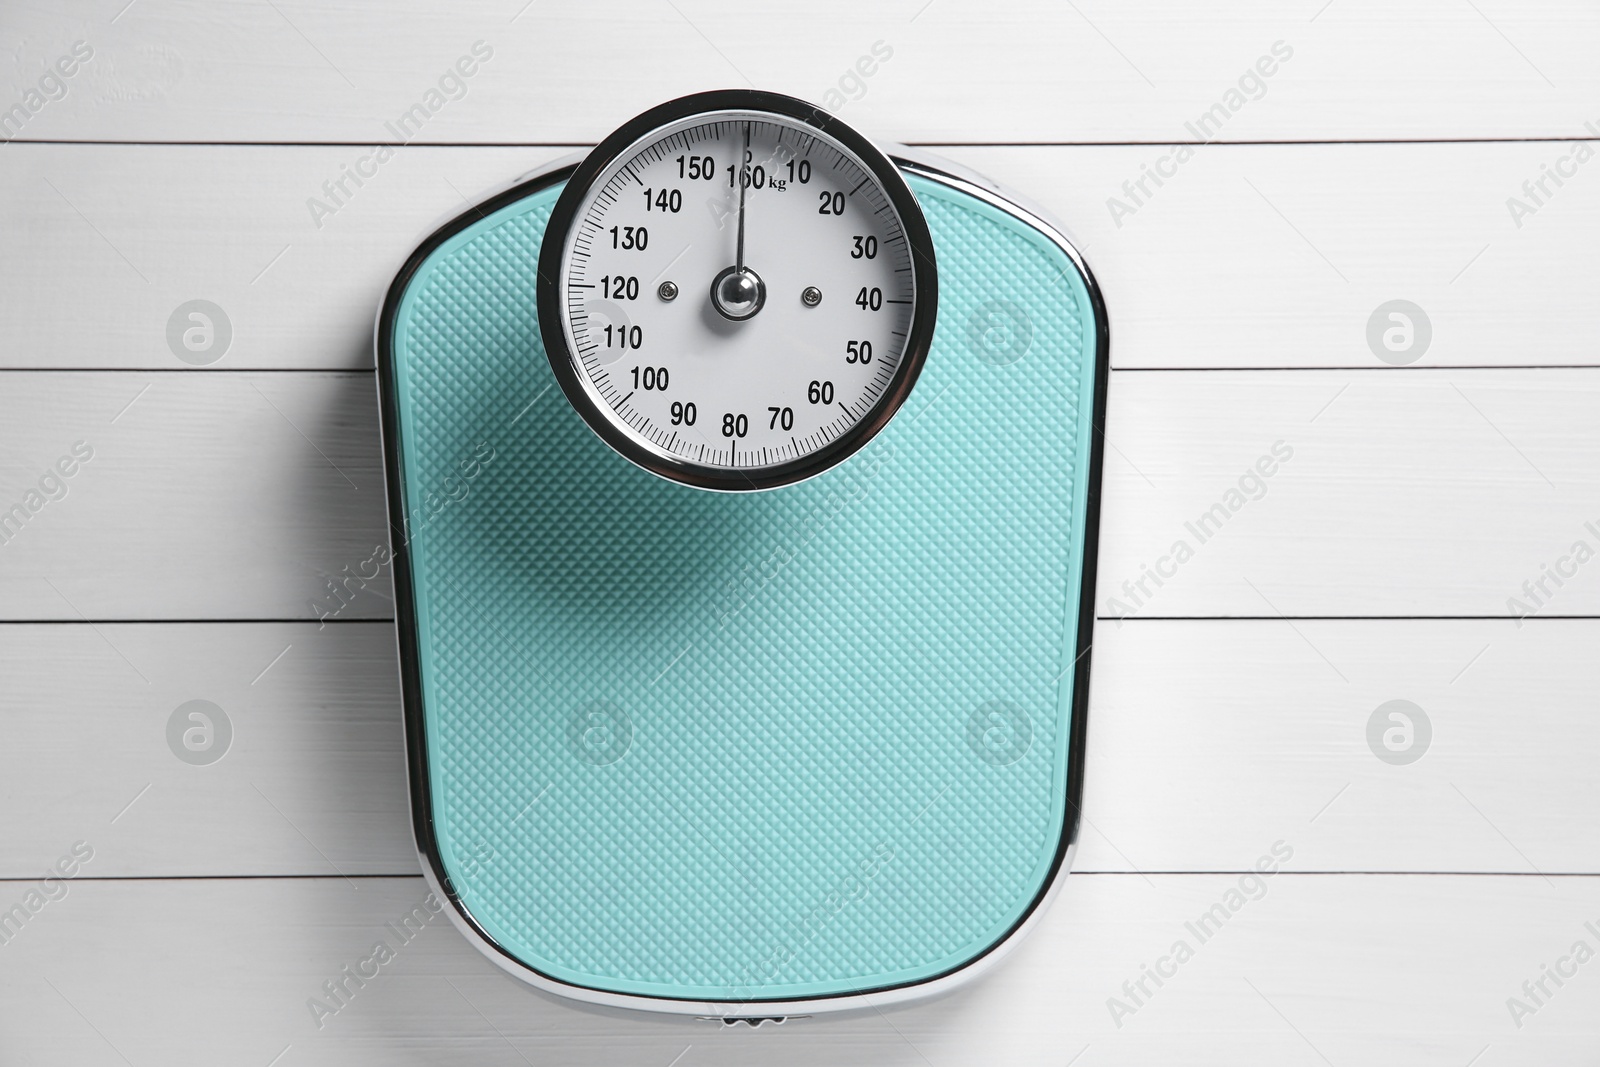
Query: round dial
x,y
737,291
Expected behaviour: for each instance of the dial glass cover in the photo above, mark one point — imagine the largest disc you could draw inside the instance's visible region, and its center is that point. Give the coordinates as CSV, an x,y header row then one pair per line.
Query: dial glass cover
x,y
737,290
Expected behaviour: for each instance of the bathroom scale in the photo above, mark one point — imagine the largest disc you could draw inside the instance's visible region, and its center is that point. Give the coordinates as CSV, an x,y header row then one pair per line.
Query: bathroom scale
x,y
743,481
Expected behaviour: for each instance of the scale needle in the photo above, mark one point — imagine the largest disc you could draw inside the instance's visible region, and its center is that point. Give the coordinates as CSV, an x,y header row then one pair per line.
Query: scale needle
x,y
738,261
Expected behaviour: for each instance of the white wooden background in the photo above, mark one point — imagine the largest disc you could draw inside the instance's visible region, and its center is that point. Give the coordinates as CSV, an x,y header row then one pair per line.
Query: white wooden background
x,y
1229,714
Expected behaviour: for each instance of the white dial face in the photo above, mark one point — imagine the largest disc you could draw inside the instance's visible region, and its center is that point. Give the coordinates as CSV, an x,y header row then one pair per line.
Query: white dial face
x,y
706,364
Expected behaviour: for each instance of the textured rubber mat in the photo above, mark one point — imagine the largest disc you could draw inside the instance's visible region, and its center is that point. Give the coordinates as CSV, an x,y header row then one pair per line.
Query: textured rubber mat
x,y
744,747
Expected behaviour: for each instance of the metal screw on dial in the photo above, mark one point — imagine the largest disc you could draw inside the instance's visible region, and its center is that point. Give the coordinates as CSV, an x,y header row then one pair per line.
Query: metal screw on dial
x,y
667,291
811,296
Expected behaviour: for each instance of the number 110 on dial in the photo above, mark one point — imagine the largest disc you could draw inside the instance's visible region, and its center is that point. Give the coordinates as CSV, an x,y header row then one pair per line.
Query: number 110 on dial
x,y
737,291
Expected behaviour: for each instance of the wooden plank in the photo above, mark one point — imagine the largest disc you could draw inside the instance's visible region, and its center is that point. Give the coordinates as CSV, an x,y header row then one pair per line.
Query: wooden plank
x,y
1206,738
302,771
138,230
955,70
1248,256
1306,969
1280,256
207,496
1423,493
1427,493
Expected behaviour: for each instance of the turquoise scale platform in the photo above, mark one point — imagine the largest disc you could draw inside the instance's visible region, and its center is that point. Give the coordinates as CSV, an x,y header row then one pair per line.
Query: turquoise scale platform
x,y
744,748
